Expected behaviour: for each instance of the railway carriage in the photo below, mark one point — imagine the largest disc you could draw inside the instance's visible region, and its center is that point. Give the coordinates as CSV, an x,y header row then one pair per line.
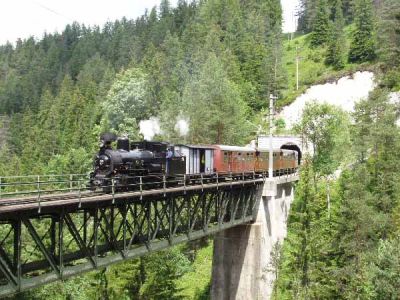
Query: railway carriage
x,y
285,161
233,159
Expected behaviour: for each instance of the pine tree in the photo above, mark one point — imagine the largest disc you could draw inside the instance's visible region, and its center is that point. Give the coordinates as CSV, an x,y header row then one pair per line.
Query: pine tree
x,y
307,12
389,43
348,9
362,47
214,106
337,41
320,33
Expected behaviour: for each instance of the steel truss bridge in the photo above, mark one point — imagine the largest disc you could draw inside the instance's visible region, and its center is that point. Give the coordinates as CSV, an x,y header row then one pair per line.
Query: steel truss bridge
x,y
59,229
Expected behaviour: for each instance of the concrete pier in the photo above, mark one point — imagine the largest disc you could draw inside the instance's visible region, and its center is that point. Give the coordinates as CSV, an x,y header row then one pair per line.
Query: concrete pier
x,y
242,265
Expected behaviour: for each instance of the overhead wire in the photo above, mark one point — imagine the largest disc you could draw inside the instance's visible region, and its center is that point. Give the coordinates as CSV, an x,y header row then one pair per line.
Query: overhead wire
x,y
52,11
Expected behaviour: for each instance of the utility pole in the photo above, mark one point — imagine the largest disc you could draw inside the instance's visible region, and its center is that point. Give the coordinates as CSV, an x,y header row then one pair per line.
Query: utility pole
x,y
297,66
271,124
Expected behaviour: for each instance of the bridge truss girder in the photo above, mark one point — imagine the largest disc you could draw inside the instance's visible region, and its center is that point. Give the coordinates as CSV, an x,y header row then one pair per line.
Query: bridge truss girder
x,y
56,243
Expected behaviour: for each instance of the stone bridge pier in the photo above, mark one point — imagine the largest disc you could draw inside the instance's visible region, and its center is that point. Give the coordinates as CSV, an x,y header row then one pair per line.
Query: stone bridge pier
x,y
242,261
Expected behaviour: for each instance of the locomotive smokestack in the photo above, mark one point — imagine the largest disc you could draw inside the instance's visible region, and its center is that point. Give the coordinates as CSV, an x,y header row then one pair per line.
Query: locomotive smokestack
x,y
123,143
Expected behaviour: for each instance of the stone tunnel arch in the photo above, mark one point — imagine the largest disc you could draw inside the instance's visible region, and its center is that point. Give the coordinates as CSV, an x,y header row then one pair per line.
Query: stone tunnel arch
x,y
292,146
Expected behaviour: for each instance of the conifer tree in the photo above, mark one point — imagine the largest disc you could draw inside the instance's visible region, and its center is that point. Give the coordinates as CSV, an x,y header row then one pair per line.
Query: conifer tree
x,y
306,15
320,33
337,41
362,47
214,106
389,32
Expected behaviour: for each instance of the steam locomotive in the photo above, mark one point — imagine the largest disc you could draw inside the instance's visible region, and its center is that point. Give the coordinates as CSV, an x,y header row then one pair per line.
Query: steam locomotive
x,y
124,166
131,164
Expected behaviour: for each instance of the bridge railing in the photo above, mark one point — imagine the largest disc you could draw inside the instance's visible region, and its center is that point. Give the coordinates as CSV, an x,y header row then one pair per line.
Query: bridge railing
x,y
14,186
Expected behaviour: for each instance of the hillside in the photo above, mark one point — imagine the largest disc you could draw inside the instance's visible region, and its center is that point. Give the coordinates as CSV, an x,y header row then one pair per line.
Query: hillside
x,y
312,67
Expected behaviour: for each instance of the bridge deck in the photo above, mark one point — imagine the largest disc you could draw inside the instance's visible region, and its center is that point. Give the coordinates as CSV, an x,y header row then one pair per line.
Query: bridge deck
x,y
51,201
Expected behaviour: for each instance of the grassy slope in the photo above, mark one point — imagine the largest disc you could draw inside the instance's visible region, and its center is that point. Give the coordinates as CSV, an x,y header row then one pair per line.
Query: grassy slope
x,y
312,68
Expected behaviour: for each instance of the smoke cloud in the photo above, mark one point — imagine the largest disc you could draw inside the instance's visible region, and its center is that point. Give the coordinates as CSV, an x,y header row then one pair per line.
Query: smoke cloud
x,y
149,128
182,127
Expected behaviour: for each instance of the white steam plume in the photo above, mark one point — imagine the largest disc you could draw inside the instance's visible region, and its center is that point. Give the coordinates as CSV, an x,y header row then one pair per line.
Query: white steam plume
x,y
149,128
182,127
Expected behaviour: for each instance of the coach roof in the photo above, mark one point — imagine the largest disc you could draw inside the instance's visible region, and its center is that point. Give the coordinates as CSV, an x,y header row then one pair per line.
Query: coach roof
x,y
235,148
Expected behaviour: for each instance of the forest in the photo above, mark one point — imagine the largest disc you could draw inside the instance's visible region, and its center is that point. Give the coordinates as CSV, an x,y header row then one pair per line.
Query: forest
x,y
213,64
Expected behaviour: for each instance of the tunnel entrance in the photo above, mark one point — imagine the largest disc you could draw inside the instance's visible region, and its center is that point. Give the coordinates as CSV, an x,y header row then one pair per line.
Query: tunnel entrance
x,y
294,147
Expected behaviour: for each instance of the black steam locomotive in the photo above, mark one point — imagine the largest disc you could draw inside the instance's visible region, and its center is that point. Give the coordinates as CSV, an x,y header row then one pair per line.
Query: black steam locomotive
x,y
123,167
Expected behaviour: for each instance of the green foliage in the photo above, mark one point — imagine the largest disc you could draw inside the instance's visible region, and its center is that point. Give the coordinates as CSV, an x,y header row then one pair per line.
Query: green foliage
x,y
325,128
389,34
307,12
320,27
75,161
307,266
337,42
383,271
128,99
343,234
363,45
195,284
305,271
162,270
79,288
216,111
389,43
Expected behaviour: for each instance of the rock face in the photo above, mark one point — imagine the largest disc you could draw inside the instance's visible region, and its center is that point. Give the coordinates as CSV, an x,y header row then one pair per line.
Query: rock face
x,y
344,93
4,126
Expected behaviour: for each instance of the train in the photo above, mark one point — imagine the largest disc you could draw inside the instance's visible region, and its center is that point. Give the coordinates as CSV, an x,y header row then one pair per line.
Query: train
x,y
124,166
